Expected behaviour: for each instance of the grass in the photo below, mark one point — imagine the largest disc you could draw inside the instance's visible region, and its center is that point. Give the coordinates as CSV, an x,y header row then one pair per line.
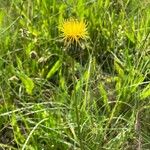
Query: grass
x,y
90,97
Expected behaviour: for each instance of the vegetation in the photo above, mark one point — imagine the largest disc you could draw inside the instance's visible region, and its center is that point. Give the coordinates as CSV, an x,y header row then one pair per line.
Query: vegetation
x,y
90,91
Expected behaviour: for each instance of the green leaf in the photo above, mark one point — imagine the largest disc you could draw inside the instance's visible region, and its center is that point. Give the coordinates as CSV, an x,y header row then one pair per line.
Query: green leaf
x,y
55,68
28,83
104,96
146,92
118,69
19,63
131,37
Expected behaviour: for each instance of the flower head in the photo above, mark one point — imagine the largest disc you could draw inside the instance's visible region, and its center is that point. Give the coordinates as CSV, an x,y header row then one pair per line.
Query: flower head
x,y
73,31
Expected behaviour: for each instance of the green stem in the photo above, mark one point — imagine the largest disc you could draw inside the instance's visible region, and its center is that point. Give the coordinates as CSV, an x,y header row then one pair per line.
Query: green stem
x,y
76,105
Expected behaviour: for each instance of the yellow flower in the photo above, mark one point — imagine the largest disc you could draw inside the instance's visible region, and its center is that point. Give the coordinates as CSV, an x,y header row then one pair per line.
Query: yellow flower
x,y
73,31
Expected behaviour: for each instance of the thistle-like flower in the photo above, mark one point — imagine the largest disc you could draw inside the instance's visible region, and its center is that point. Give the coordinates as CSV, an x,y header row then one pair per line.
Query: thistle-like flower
x,y
73,31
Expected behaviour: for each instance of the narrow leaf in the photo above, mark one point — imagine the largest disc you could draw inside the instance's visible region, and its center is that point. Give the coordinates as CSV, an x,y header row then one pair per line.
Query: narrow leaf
x,y
146,92
28,83
104,96
55,68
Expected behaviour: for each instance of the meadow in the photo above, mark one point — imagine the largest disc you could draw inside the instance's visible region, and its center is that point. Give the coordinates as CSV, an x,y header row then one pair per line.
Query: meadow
x,y
74,75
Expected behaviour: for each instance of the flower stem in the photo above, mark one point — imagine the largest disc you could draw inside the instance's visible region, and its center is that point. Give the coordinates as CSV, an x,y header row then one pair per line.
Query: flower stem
x,y
75,100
